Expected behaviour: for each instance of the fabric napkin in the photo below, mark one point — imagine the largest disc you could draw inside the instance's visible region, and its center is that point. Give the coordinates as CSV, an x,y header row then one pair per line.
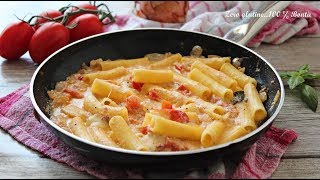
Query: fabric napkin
x,y
218,17
17,118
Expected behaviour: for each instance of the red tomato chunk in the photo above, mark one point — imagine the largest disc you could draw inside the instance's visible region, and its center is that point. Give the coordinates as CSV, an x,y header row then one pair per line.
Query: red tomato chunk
x,y
137,86
153,94
177,115
73,92
183,88
166,104
144,130
179,68
133,102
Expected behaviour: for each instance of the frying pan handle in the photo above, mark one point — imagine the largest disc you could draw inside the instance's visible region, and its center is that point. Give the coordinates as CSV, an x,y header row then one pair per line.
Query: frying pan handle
x,y
260,16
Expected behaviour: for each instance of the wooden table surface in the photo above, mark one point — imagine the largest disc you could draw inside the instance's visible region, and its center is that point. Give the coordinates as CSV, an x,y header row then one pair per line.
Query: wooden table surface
x,y
300,161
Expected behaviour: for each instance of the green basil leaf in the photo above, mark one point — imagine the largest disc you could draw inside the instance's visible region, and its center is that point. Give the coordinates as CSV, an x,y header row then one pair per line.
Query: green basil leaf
x,y
295,81
310,75
304,69
309,96
285,75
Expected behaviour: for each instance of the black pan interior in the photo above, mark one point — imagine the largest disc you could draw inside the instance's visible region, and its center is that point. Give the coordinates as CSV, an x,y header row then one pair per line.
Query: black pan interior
x,y
137,43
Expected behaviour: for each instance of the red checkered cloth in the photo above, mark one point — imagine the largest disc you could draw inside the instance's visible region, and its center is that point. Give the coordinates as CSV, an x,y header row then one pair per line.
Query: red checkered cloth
x,y
17,118
219,17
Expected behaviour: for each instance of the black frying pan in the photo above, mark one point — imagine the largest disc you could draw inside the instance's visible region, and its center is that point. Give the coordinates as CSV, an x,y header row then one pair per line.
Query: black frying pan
x,y
137,43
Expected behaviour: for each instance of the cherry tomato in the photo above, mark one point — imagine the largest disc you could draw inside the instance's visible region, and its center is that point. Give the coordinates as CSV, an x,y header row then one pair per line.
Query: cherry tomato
x,y
15,39
50,37
49,14
87,25
83,6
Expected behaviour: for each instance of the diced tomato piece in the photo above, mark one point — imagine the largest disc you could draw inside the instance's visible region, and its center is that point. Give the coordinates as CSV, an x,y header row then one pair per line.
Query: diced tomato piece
x,y
177,115
133,102
153,94
178,67
137,86
73,92
80,78
182,88
144,130
166,104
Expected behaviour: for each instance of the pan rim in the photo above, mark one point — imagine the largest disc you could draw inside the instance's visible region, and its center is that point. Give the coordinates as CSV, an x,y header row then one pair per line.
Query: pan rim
x,y
147,153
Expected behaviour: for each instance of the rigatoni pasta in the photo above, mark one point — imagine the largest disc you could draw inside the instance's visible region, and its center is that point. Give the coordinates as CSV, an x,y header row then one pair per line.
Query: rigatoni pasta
x,y
215,87
74,111
107,89
213,62
167,61
233,133
78,127
124,135
258,112
194,86
152,76
162,93
100,134
216,75
162,126
106,65
240,77
212,133
174,104
92,105
110,74
245,118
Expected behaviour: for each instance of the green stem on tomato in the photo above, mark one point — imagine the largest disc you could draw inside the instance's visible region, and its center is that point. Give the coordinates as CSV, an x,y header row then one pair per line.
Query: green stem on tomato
x,y
93,3
64,18
20,19
63,9
37,16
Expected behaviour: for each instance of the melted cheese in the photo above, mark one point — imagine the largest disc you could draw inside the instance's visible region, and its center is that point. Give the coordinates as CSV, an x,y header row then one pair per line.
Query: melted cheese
x,y
154,142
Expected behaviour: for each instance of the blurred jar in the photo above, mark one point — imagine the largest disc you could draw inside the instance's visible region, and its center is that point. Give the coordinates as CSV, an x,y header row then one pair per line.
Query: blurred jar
x,y
162,11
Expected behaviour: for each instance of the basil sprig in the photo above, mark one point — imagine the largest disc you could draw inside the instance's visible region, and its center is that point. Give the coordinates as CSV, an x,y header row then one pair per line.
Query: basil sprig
x,y
297,79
